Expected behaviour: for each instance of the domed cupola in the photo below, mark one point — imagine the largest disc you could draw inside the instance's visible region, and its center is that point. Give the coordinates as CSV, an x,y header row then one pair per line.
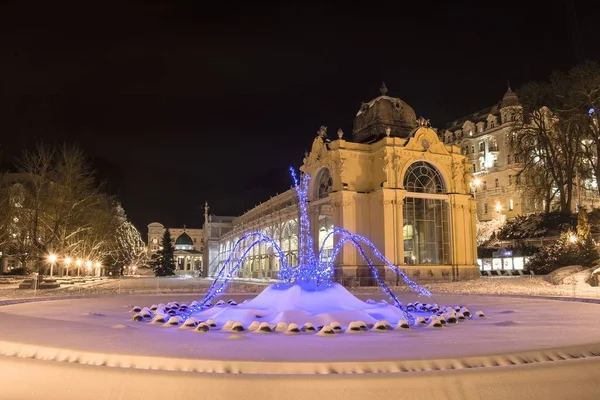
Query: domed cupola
x,y
510,99
184,242
383,116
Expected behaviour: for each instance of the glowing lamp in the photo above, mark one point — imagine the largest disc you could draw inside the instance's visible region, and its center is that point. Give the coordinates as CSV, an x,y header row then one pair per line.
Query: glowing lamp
x,y
68,261
573,239
52,258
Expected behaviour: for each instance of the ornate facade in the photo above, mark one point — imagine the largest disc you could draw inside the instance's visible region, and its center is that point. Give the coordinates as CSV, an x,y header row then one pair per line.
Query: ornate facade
x,y
483,138
394,182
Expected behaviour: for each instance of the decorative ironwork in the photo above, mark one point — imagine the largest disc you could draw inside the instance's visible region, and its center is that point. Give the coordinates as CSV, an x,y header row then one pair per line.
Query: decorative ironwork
x,y
422,177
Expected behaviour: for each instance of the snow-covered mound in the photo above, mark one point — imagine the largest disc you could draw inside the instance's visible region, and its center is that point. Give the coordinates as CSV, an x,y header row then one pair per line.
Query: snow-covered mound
x,y
283,303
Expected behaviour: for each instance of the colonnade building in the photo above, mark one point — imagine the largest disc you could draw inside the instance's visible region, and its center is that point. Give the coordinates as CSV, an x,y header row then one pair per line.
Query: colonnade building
x,y
393,181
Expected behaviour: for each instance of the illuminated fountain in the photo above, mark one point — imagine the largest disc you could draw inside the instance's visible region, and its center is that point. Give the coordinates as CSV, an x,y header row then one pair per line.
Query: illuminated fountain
x,y
306,293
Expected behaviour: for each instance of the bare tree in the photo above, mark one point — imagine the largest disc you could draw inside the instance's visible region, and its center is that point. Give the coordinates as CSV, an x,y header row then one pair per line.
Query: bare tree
x,y
549,147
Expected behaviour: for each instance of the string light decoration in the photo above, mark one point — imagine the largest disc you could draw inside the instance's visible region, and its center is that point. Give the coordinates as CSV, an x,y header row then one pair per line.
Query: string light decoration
x,y
313,272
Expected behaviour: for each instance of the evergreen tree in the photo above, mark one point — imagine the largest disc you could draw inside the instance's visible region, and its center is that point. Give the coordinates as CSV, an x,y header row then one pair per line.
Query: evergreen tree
x,y
571,248
165,263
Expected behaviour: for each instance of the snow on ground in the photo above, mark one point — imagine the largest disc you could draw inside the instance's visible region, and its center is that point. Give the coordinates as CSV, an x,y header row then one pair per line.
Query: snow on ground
x,y
523,348
529,286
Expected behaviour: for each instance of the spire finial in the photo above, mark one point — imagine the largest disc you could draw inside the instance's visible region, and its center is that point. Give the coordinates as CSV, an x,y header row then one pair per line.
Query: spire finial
x,y
184,227
509,85
383,89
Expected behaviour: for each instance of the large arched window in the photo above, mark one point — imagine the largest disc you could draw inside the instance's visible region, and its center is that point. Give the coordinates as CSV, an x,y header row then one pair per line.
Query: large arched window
x,y
422,177
324,183
426,229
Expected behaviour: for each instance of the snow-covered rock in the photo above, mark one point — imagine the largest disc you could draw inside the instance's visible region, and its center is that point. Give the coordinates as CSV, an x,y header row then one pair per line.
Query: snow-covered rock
x,y
160,318
292,328
336,326
136,309
326,331
190,323
227,325
253,326
354,327
308,327
264,328
237,327
137,317
403,324
174,321
202,327
211,322
381,326
434,323
281,327
480,314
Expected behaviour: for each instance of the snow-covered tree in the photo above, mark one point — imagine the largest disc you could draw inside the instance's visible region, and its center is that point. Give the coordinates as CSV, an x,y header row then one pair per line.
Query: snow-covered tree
x,y
131,249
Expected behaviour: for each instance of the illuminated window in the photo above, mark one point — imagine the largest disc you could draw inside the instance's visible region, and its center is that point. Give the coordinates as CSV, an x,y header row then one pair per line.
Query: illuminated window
x,y
510,204
422,177
485,208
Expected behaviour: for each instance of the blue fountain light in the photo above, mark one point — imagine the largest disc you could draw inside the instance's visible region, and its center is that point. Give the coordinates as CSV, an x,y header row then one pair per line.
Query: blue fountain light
x,y
313,272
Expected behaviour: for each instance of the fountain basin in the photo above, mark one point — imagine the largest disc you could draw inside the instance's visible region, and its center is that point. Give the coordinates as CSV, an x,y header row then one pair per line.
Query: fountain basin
x,y
522,340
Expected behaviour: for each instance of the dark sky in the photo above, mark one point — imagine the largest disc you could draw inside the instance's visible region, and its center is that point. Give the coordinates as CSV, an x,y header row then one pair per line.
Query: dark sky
x,y
179,102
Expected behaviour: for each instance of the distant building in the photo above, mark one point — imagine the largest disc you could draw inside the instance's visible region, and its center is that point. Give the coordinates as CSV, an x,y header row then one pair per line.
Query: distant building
x,y
483,138
188,243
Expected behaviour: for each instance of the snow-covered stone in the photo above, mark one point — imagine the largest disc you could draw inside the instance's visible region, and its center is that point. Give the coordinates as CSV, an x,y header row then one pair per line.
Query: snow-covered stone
x,y
326,331
237,327
381,326
202,327
227,325
308,327
211,322
253,326
403,324
174,321
292,328
281,327
190,323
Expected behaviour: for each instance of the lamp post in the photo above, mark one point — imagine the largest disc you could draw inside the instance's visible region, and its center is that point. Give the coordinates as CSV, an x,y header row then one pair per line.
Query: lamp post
x,y
79,262
67,262
51,260
98,265
88,265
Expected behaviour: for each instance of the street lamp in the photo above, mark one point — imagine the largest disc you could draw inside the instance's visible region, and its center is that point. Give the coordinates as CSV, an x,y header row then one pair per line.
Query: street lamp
x,y
79,262
51,260
98,265
67,263
573,239
133,268
88,265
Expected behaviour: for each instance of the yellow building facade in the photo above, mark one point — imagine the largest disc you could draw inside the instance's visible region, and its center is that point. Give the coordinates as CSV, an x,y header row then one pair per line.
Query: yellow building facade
x,y
393,181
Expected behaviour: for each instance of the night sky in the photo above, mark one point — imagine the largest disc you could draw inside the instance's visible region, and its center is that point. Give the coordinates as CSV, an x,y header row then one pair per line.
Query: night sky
x,y
180,102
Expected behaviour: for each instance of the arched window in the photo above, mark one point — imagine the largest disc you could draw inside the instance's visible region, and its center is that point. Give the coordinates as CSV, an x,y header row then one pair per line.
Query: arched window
x,y
422,177
324,183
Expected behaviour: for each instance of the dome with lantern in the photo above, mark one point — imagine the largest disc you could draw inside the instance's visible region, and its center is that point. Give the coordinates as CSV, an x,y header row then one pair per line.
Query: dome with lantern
x,y
383,113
